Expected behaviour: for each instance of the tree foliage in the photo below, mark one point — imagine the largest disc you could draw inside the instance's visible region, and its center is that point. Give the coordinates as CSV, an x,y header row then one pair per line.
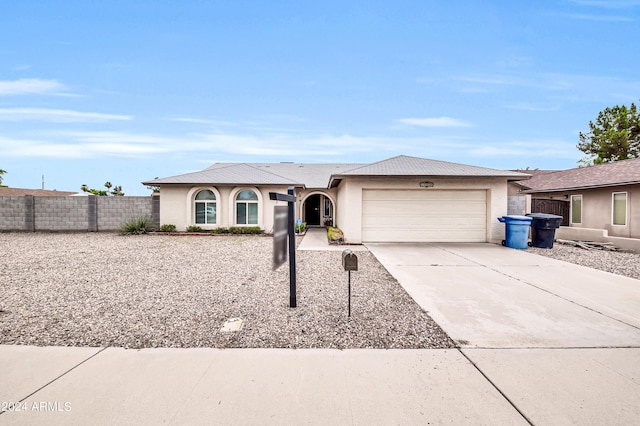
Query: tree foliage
x,y
117,190
1,173
614,136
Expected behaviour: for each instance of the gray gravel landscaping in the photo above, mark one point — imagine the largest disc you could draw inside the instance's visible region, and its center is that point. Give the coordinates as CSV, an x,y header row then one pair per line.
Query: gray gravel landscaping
x,y
177,291
620,263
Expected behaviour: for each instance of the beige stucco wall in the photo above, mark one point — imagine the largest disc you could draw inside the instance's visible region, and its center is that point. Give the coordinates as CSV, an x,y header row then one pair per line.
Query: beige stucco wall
x,y
349,217
176,205
597,209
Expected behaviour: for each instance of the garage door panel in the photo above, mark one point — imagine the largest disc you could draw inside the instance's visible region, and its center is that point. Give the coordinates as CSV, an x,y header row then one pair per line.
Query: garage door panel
x,y
435,195
424,215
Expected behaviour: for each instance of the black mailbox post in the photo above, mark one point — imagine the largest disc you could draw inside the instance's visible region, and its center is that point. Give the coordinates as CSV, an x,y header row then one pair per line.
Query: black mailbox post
x,y
349,263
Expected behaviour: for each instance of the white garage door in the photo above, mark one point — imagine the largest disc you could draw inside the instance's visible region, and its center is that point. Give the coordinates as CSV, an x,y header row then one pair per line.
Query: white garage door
x,y
424,216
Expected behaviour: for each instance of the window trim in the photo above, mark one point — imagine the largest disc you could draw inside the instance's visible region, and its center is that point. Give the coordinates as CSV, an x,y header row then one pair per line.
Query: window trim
x,y
191,207
234,202
206,204
571,222
626,207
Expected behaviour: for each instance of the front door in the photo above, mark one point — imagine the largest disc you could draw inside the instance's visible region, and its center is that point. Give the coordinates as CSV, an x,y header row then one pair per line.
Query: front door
x,y
312,211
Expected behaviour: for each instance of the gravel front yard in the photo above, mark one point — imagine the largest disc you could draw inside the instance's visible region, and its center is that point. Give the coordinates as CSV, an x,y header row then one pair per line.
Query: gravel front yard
x,y
621,263
163,291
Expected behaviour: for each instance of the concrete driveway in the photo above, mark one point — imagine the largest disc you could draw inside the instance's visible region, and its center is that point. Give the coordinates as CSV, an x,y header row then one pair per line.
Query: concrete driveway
x,y
488,296
559,341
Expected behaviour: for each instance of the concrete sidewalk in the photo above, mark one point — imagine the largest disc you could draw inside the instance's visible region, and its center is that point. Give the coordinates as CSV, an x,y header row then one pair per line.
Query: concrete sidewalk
x,y
247,386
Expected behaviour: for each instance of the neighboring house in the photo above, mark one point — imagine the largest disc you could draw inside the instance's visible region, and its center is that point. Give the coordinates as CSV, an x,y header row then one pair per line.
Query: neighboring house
x,y
605,197
521,203
401,199
16,192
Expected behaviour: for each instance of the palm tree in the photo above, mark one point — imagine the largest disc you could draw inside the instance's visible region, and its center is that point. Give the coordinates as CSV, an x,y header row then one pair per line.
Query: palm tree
x,y
84,188
117,191
108,185
1,173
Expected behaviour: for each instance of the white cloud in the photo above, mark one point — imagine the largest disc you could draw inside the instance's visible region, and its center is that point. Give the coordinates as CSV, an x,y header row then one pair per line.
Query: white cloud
x,y
526,149
608,4
530,107
57,115
93,144
31,86
601,18
435,122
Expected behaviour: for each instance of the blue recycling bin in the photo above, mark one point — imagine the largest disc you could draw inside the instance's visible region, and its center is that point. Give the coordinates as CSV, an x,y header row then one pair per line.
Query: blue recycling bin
x,y
516,231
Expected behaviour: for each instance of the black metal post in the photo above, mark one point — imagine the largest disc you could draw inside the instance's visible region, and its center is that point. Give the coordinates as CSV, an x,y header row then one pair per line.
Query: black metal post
x,y
292,250
349,293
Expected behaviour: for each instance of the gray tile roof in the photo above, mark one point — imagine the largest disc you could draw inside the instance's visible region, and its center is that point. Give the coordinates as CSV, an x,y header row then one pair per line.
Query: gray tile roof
x,y
228,173
404,165
312,175
624,172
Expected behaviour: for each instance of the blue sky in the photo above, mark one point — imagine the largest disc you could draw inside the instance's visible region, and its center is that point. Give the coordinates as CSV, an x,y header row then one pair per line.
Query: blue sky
x,y
125,91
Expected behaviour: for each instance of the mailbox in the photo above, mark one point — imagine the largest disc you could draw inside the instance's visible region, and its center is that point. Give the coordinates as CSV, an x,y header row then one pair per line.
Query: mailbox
x,y
349,261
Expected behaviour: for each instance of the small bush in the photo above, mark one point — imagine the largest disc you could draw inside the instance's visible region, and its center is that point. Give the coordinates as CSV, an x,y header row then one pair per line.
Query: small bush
x,y
301,228
194,228
137,226
245,230
168,228
220,231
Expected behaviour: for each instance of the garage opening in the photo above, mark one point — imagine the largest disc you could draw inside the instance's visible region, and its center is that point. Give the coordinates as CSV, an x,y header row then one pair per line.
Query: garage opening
x,y
424,216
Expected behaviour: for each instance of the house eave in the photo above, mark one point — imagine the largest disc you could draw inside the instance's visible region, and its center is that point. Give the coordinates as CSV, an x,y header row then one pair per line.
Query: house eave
x,y
336,179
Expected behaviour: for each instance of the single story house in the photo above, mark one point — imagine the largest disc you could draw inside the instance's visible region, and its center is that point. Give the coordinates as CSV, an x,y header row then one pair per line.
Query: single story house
x,y
601,198
401,199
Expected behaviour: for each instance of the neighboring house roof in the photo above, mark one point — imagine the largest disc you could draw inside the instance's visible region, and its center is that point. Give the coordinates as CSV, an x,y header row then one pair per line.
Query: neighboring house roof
x,y
623,172
312,175
38,192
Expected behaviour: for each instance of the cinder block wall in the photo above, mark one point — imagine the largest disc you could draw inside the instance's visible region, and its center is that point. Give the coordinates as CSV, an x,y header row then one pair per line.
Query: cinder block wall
x,y
14,212
114,211
87,213
61,213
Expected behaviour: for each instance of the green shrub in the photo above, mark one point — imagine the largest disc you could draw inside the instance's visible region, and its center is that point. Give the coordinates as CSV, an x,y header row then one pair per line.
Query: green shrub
x,y
220,231
137,225
301,228
168,228
245,230
194,228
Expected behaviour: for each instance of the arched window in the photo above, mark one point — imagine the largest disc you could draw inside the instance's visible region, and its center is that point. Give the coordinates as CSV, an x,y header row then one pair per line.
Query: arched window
x,y
247,208
205,207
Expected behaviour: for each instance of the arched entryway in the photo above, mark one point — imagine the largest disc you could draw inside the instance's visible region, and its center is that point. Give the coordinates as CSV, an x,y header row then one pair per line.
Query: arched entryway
x,y
318,210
